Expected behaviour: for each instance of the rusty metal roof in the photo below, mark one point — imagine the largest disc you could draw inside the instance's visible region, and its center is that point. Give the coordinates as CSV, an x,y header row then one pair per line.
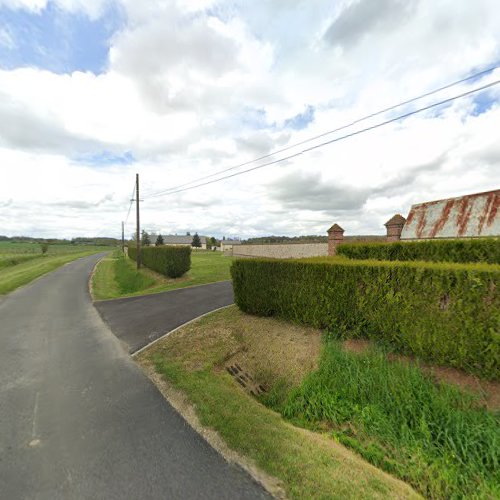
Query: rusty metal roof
x,y
472,215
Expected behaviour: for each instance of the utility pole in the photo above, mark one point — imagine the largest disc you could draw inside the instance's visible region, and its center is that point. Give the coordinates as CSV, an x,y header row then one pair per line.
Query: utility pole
x,y
123,237
138,228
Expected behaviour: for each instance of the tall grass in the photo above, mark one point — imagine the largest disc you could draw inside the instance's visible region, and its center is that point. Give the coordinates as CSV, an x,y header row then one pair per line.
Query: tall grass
x,y
13,260
128,279
433,436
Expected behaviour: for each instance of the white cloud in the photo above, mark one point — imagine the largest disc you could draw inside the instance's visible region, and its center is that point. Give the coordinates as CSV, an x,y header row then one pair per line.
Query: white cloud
x,y
197,87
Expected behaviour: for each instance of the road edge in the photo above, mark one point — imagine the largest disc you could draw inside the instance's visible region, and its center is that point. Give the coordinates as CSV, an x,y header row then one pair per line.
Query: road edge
x,y
136,353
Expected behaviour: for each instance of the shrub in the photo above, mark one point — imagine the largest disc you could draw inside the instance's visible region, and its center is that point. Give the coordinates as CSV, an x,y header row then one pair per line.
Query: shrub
x,y
446,313
478,250
170,261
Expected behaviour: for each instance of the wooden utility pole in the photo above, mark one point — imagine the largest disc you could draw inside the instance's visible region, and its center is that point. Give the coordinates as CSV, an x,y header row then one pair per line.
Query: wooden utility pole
x,y
123,237
138,228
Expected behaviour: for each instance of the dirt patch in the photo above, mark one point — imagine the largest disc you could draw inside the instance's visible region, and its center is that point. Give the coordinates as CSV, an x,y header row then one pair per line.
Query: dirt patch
x,y
487,391
232,338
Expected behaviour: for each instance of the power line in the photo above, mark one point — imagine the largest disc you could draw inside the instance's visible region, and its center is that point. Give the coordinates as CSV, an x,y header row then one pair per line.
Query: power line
x,y
337,139
338,129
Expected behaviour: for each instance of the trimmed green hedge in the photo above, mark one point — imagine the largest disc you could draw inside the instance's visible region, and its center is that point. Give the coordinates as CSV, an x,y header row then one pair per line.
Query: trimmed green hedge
x,y
445,313
479,250
170,261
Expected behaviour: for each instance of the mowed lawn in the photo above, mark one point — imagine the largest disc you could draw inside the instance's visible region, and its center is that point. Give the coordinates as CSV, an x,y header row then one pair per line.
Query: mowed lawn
x,y
116,276
21,263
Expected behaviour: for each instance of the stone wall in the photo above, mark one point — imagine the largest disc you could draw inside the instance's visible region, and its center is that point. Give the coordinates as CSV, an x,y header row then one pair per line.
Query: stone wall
x,y
282,251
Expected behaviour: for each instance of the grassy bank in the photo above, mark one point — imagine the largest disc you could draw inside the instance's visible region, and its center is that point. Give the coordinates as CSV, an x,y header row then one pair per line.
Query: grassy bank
x,y
28,269
309,465
432,435
117,276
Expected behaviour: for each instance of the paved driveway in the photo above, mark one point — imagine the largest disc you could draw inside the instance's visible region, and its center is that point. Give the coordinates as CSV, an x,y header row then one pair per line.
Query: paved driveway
x,y
137,321
79,420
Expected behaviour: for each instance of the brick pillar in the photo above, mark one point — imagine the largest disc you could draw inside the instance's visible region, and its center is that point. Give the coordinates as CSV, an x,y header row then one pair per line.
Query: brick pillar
x,y
394,227
335,237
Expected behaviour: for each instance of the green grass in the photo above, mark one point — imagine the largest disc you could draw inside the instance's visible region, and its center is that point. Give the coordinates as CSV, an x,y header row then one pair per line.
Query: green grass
x,y
7,247
309,466
433,436
25,268
8,260
111,281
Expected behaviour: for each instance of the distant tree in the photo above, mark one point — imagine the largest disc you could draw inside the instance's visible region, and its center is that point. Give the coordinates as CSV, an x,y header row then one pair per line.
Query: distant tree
x,y
213,242
196,243
44,247
159,240
224,238
145,238
188,234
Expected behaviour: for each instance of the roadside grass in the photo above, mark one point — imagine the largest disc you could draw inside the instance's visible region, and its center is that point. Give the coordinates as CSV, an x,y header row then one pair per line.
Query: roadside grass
x,y
24,272
112,280
8,260
434,436
308,464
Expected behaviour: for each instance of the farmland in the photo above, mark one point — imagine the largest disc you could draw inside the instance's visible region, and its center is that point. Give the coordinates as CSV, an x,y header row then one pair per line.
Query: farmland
x,y
21,263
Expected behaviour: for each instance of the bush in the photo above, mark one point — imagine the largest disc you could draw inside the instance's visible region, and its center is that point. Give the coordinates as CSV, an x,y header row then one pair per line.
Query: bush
x,y
446,313
170,261
479,250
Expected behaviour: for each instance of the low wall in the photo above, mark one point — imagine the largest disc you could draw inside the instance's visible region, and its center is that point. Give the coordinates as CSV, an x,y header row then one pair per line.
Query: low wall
x,y
282,251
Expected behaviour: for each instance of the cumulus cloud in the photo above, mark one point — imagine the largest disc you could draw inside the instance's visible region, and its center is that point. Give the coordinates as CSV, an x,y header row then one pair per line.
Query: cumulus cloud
x,y
362,18
195,87
307,191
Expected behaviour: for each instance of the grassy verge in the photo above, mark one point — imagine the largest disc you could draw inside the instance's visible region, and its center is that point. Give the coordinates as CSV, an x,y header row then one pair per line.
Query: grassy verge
x,y
434,436
15,259
309,465
14,276
112,280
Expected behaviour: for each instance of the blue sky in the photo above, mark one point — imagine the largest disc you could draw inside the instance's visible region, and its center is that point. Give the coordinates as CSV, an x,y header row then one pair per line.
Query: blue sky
x,y
173,91
56,40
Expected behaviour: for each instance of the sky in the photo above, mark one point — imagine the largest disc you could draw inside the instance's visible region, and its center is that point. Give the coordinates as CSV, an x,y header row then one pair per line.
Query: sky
x,y
94,91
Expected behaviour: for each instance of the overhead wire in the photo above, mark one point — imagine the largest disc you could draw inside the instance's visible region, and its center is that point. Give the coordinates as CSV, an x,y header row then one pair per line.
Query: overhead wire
x,y
175,189
337,139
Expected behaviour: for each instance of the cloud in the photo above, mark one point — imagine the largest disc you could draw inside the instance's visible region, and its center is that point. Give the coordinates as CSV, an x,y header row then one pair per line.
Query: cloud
x,y
191,88
364,17
26,129
307,191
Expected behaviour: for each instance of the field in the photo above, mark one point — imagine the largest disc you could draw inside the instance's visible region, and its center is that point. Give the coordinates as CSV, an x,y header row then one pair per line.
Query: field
x,y
21,263
435,436
116,276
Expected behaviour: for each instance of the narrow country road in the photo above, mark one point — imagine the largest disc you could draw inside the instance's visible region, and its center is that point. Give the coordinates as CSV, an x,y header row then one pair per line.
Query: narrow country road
x,y
138,321
79,420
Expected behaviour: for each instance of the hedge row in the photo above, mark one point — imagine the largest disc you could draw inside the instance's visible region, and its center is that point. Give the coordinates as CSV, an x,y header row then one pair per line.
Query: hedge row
x,y
170,261
445,313
478,250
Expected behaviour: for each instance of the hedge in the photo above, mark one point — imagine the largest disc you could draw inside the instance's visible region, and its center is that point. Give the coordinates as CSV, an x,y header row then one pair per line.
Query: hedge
x,y
471,250
170,261
445,313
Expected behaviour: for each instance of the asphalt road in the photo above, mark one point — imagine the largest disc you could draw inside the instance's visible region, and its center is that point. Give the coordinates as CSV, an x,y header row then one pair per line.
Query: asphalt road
x,y
137,321
79,420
